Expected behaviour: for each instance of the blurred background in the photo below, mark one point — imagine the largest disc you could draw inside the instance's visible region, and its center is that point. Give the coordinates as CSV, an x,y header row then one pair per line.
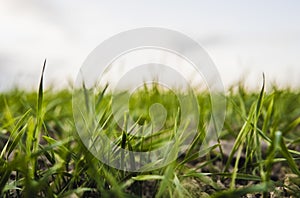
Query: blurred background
x,y
244,38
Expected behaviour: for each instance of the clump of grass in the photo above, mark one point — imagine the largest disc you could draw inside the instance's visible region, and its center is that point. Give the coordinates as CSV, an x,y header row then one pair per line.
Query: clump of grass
x,y
41,155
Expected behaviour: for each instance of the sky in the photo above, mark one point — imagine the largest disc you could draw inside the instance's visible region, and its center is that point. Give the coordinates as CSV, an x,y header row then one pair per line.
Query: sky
x,y
243,38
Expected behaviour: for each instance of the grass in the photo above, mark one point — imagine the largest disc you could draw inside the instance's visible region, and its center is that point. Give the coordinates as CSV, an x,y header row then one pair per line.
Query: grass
x,y
258,151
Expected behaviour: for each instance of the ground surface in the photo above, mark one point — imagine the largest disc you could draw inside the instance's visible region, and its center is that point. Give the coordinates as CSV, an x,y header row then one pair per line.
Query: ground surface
x,y
257,154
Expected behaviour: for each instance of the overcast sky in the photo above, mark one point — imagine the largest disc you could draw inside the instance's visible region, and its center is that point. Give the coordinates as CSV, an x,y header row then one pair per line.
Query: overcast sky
x,y
244,38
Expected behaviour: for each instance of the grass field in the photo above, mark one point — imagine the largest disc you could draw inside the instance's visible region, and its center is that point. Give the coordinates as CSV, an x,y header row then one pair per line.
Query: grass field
x,y
257,155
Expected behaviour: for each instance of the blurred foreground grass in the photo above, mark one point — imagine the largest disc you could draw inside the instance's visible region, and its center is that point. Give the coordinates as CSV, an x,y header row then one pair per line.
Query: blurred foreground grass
x,y
258,152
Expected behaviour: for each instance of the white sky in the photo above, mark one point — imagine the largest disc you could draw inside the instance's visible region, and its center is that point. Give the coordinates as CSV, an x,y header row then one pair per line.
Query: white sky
x,y
244,38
